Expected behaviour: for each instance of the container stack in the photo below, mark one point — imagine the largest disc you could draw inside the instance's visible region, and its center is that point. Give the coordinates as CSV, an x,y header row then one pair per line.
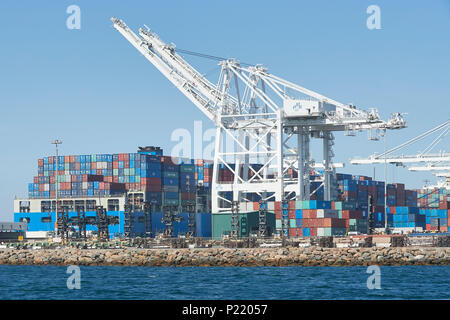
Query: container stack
x,y
437,219
432,198
313,218
434,204
405,217
164,180
187,184
76,176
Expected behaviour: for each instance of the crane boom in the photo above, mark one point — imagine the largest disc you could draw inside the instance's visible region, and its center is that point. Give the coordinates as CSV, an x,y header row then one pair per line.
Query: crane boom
x,y
187,80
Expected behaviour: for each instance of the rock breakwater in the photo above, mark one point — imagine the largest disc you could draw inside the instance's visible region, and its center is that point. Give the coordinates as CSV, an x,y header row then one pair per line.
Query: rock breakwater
x,y
290,256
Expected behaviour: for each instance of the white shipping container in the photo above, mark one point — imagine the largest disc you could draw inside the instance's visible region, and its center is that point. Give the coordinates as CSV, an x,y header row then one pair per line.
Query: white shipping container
x,y
320,232
320,213
36,234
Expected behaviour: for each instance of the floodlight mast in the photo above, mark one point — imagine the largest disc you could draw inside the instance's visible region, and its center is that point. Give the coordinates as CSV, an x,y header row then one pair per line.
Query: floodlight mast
x,y
56,143
259,113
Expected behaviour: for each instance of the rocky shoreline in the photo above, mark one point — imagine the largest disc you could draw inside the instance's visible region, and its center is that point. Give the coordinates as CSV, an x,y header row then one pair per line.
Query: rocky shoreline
x,y
243,257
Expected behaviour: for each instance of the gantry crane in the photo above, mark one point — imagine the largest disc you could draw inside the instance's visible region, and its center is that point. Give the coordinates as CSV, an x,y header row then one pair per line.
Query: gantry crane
x,y
261,114
431,161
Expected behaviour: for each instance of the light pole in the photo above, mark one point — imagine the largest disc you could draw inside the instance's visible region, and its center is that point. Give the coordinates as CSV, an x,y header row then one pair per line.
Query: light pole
x,y
386,228
56,143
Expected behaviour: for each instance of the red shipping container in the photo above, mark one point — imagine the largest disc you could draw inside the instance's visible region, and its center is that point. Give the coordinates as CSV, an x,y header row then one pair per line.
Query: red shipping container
x,y
126,164
115,179
313,232
50,160
99,172
66,159
40,162
278,205
187,196
72,159
277,214
293,232
35,179
154,181
291,205
352,214
443,204
115,164
291,213
151,187
52,194
102,186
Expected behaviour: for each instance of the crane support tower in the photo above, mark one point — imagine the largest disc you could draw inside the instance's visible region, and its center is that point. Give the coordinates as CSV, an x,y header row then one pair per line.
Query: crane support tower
x,y
148,219
235,225
269,120
170,216
262,216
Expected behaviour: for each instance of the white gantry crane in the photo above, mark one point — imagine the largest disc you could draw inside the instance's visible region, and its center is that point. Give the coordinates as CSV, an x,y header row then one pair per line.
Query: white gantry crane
x,y
429,161
269,120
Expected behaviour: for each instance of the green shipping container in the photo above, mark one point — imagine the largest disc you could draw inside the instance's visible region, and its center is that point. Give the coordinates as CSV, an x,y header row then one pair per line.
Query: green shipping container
x,y
248,222
278,224
292,223
170,174
187,168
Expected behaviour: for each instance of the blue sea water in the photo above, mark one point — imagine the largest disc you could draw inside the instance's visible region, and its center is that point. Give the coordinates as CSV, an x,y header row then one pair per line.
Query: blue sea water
x,y
166,283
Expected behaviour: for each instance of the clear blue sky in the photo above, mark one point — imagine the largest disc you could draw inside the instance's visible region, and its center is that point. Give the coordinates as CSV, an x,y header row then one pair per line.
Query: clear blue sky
x,y
93,90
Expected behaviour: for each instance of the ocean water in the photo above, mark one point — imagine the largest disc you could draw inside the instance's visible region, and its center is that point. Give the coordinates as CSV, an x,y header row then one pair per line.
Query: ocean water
x,y
237,283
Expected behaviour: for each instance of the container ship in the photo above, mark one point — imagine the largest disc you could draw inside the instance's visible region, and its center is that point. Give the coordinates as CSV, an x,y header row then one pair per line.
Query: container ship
x,y
124,184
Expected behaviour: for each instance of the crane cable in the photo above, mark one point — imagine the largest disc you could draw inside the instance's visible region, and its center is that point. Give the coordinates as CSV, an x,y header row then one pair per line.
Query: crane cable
x,y
207,56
